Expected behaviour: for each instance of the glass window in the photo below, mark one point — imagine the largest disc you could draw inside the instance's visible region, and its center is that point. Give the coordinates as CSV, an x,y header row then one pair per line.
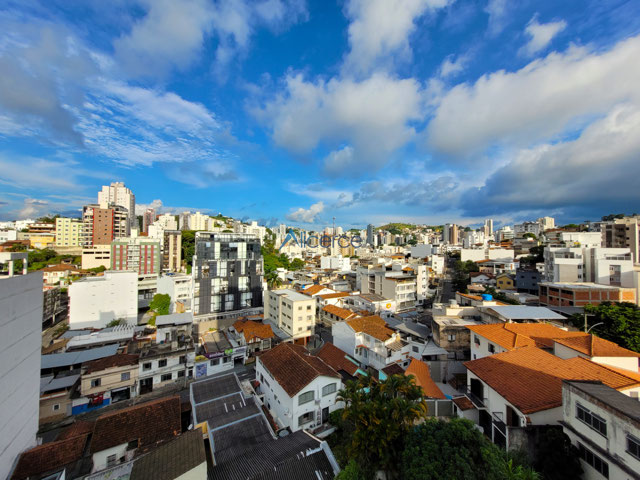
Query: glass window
x,y
95,382
593,460
591,419
328,389
305,397
162,363
214,362
146,366
166,377
306,418
125,376
633,446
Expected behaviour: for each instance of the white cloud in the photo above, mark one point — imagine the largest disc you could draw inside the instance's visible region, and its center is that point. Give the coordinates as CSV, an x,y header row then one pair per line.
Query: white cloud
x,y
597,170
537,102
381,28
541,34
373,116
497,10
309,215
452,66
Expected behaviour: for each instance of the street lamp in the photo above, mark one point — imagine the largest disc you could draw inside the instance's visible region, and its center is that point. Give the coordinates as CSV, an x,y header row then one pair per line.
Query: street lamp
x,y
599,323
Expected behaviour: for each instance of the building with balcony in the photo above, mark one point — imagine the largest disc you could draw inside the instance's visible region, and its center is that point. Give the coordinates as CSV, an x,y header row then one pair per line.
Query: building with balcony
x,y
623,233
103,223
604,425
291,312
68,232
299,389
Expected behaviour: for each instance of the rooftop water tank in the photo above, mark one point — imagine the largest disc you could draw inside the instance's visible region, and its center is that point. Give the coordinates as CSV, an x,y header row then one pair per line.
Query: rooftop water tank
x,y
486,297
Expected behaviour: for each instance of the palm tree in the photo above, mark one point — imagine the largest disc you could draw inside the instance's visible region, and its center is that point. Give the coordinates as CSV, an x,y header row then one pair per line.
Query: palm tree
x,y
273,280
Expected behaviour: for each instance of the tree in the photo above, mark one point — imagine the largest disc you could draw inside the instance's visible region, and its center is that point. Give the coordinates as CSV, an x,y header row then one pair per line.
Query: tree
x,y
454,450
273,280
377,417
188,245
297,264
160,303
620,323
557,458
116,322
351,472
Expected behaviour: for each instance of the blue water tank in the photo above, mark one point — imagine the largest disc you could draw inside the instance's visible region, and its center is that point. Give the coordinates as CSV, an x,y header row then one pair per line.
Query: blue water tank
x,y
486,297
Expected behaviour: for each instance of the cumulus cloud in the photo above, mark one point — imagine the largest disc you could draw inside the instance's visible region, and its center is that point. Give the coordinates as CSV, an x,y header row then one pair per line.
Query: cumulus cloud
x,y
599,169
372,116
541,34
497,11
32,207
381,28
452,66
537,102
309,215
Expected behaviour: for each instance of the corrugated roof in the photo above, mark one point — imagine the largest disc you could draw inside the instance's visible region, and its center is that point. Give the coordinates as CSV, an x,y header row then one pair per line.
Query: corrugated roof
x,y
66,359
174,319
524,312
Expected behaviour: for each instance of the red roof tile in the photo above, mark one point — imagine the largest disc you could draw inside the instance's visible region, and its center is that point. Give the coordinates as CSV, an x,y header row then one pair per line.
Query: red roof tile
x,y
373,325
113,361
293,367
253,330
339,311
463,403
515,335
596,346
77,428
337,359
420,371
50,456
149,423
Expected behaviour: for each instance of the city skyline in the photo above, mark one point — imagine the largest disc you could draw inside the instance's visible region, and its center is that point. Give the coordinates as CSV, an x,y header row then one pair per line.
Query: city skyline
x,y
296,112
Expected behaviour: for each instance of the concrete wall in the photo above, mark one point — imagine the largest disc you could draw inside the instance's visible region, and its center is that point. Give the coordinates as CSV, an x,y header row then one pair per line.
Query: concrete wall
x,y
20,343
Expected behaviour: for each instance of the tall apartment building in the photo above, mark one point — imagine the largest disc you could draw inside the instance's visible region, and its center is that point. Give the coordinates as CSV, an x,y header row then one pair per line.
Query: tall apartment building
x,y
488,227
450,234
171,250
198,221
371,235
527,227
228,277
167,222
400,286
103,223
139,254
292,312
604,266
118,194
547,223
184,220
623,232
148,217
20,342
68,232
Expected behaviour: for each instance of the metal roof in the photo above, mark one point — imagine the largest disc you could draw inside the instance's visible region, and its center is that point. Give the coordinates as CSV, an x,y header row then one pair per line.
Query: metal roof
x,y
174,319
66,359
49,383
523,312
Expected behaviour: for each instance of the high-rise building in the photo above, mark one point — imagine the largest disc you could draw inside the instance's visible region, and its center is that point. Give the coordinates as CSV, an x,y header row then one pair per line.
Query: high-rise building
x,y
227,272
623,232
184,220
118,194
103,223
20,343
139,254
171,250
488,227
371,240
167,222
68,232
547,223
148,217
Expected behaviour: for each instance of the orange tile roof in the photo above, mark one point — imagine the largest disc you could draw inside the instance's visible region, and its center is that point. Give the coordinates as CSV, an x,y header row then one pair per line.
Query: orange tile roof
x,y
420,371
293,367
515,335
339,311
61,267
596,347
50,456
373,326
337,359
113,361
531,379
313,289
77,428
463,403
334,295
252,330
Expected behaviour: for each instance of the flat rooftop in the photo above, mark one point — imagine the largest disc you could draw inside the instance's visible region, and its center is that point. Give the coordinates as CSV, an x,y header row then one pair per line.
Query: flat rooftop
x,y
580,285
293,295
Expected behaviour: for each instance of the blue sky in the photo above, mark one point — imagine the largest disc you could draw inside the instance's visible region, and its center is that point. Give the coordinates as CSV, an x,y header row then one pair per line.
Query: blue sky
x,y
298,111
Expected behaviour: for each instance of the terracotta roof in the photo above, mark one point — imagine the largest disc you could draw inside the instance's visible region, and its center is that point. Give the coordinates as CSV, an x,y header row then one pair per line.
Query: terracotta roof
x,y
329,296
338,311
472,297
149,423
531,379
373,326
596,347
420,371
337,359
252,330
313,289
463,403
50,456
113,361
61,267
293,367
393,369
515,335
77,428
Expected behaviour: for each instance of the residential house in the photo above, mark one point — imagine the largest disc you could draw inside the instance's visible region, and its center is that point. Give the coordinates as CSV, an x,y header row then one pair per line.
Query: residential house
x,y
113,378
506,281
291,312
331,314
597,350
523,387
371,342
482,278
300,390
604,425
56,395
118,435
179,287
257,336
372,303
54,273
420,372
527,280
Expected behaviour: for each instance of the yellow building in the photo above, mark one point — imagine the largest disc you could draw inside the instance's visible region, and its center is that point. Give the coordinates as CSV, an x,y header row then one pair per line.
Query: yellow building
x,y
42,240
505,281
68,232
114,377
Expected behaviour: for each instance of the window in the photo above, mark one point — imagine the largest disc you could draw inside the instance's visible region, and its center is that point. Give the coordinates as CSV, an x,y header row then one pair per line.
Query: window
x,y
111,460
162,363
214,362
451,338
476,340
226,360
125,376
166,377
56,407
415,349
633,446
180,373
592,459
328,389
95,382
306,418
492,348
305,397
591,419
183,359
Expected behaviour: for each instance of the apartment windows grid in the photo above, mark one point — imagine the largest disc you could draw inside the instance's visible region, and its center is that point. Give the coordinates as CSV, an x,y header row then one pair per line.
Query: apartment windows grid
x,y
633,446
591,419
593,460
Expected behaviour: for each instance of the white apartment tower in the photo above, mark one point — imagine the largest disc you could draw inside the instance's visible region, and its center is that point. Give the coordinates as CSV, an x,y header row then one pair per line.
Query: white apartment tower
x,y
118,194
